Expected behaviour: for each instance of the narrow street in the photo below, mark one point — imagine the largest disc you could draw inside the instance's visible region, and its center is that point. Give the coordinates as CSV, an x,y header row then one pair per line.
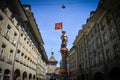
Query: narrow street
x,y
59,39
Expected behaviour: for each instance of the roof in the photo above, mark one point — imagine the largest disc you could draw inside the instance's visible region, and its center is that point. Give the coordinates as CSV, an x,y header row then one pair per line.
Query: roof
x,y
52,58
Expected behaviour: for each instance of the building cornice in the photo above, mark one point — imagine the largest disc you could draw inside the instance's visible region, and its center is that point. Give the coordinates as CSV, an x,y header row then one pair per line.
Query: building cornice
x,y
16,7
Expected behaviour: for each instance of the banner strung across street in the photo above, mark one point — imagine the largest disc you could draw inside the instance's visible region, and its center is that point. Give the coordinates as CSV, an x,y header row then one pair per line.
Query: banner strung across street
x,y
58,26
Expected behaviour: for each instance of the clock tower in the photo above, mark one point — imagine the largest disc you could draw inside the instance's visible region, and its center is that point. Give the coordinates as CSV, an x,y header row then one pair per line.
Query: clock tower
x,y
52,62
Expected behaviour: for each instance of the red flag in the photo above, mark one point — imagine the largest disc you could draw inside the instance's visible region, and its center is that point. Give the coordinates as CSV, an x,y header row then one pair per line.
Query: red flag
x,y
58,26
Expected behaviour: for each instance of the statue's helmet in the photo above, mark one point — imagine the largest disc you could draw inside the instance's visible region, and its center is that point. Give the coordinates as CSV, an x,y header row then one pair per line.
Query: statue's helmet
x,y
63,32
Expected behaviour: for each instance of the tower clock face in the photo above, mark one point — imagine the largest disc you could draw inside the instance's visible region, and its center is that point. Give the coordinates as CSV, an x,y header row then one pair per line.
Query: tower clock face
x,y
52,68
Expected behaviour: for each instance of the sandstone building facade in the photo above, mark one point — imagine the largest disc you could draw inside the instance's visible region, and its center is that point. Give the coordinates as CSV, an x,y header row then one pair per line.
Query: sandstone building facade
x,y
97,45
22,54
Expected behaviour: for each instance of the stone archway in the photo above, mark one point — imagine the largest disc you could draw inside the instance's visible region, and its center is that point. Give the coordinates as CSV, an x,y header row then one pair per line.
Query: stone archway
x,y
16,74
30,76
6,74
0,73
115,74
24,76
82,77
98,76
37,78
33,77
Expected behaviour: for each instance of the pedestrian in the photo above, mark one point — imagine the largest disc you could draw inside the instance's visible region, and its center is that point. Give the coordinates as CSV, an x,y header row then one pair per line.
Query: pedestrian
x,y
51,78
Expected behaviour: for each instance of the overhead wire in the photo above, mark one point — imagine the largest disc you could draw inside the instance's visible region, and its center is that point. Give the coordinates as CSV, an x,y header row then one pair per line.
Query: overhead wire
x,y
36,4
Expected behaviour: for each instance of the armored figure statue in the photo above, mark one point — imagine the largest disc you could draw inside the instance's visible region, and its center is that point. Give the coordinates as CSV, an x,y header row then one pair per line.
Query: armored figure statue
x,y
64,38
64,52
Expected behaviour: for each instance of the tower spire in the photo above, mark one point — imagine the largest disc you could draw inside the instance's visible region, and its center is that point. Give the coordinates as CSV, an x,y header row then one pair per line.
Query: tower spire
x,y
52,51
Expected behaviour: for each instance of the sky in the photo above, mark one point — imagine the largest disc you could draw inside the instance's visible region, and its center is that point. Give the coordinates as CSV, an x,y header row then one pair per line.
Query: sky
x,y
49,12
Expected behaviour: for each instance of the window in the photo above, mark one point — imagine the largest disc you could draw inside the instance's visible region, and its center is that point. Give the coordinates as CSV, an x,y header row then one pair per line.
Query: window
x,y
7,32
2,50
18,51
27,42
15,34
96,59
117,12
1,18
97,42
14,38
96,28
21,34
87,64
10,55
0,74
92,60
24,38
20,40
25,56
116,50
105,38
100,57
7,74
112,33
94,45
108,19
102,26
90,48
30,44
22,54
0,70
86,53
91,32
108,55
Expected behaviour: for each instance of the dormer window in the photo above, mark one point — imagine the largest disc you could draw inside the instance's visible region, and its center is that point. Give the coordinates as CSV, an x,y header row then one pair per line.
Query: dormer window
x,y
7,29
26,8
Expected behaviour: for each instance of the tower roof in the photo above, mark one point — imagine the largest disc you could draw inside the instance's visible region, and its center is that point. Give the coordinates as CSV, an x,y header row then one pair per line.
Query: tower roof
x,y
52,58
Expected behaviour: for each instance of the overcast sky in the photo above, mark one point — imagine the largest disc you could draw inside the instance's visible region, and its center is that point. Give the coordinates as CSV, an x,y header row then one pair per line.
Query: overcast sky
x,y
49,12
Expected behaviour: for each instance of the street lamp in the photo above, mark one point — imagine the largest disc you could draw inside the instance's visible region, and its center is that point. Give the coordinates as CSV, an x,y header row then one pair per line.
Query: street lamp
x,y
63,6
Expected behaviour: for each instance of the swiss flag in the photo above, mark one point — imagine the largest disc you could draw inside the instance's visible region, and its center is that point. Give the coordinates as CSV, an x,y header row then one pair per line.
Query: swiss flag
x,y
58,26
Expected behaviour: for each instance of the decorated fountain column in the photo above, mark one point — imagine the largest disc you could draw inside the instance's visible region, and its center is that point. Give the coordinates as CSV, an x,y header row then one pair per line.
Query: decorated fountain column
x,y
64,52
